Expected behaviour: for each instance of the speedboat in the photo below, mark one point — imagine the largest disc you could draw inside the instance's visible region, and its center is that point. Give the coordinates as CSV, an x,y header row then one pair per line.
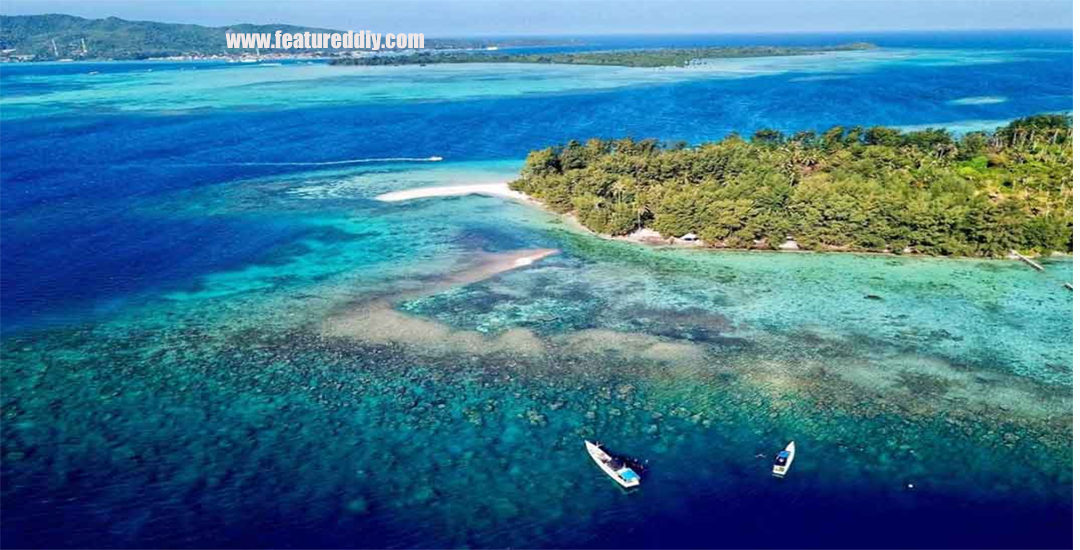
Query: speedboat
x,y
783,460
616,468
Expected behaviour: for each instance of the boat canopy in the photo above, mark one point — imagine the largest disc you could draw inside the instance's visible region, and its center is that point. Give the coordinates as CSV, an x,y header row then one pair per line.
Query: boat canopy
x,y
628,475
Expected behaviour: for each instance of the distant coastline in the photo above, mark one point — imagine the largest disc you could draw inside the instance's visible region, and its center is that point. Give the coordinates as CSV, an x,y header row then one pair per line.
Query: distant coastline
x,y
59,37
650,58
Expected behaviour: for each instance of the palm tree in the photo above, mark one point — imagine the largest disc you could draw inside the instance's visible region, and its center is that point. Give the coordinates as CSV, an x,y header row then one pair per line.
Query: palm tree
x,y
641,209
620,188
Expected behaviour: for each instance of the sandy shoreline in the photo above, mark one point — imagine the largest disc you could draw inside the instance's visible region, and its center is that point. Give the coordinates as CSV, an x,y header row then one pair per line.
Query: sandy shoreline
x,y
646,237
502,189
487,189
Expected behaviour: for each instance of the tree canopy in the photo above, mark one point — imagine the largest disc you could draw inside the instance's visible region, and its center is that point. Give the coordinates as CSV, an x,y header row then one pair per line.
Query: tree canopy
x,y
876,189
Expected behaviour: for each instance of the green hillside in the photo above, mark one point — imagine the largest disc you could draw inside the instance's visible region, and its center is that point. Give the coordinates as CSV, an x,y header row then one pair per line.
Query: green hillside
x,y
114,38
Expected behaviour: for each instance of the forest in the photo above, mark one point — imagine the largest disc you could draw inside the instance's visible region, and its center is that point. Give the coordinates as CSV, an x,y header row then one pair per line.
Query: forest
x,y
855,189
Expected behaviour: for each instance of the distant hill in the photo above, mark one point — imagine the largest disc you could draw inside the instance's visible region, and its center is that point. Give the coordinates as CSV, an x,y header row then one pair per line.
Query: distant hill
x,y
115,38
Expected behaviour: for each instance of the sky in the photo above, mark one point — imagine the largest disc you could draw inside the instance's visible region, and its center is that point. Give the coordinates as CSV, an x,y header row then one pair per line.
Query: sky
x,y
553,17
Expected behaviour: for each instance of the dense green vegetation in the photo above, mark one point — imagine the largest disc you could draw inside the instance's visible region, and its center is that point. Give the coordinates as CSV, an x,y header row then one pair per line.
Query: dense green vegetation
x,y
115,38
982,194
678,57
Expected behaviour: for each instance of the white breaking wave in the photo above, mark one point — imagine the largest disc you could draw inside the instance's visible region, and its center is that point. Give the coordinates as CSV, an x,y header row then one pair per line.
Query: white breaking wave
x,y
979,100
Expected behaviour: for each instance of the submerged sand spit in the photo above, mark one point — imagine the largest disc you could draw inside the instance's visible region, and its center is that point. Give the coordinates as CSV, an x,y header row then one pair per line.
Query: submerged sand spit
x,y
487,265
920,386
377,321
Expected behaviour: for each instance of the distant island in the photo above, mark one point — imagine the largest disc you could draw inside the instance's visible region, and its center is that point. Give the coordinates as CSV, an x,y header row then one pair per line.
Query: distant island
x,y
665,57
54,37
853,189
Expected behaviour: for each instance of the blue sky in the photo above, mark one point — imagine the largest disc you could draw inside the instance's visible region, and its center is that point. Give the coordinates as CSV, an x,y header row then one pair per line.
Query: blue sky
x,y
472,17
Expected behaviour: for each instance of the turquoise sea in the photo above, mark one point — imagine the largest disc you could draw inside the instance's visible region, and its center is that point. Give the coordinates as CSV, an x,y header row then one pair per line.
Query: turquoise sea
x,y
213,336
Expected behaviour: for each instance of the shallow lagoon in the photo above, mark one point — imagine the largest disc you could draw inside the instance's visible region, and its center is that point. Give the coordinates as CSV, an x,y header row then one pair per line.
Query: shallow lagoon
x,y
204,348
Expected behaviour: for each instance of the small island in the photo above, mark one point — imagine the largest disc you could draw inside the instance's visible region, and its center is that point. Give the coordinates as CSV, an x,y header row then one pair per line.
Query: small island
x,y
666,57
851,189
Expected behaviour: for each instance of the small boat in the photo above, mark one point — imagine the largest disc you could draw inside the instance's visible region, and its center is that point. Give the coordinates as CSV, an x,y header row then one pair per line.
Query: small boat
x,y
783,460
616,468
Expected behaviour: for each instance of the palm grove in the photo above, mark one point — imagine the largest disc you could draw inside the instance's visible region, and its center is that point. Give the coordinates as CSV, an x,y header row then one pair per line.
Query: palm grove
x,y
983,194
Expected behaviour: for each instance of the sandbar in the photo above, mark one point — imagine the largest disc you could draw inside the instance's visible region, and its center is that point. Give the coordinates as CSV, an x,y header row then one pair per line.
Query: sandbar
x,y
487,189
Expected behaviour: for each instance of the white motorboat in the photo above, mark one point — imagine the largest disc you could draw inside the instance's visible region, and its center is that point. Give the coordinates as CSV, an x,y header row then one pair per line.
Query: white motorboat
x,y
783,460
615,468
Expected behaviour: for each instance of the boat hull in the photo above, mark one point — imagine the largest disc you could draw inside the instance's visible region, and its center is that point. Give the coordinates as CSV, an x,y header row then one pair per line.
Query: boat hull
x,y
782,470
603,460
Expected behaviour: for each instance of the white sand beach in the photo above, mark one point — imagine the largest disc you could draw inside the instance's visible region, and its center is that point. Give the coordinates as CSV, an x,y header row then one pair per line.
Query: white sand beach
x,y
488,189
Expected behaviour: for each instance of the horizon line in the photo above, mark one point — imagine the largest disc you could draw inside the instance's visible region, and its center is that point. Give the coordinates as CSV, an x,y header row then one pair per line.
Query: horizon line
x,y
587,34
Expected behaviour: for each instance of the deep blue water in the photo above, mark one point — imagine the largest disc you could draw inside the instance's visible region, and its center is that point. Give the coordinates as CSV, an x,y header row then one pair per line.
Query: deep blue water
x,y
83,235
976,39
